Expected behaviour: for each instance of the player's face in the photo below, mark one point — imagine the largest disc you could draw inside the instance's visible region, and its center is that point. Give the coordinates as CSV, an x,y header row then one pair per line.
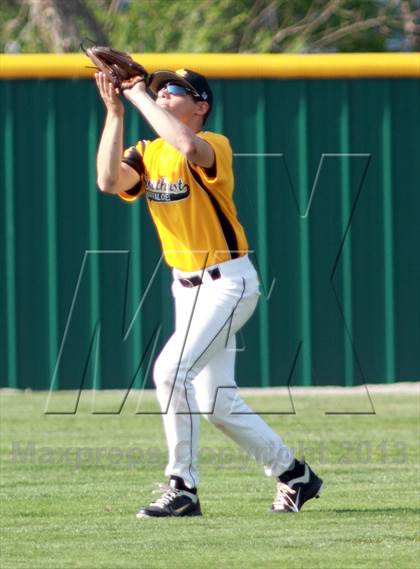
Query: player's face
x,y
178,100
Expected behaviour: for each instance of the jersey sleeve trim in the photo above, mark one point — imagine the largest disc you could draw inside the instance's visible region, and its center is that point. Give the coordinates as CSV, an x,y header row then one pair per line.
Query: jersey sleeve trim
x,y
133,194
133,157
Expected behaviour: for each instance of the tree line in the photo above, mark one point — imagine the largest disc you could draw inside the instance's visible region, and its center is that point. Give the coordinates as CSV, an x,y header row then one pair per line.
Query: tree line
x,y
205,26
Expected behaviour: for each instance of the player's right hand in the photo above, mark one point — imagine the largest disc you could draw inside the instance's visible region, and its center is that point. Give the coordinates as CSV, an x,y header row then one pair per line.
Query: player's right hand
x,y
109,94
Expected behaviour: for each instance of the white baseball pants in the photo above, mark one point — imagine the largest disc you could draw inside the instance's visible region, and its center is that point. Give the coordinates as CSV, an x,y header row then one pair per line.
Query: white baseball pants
x,y
195,372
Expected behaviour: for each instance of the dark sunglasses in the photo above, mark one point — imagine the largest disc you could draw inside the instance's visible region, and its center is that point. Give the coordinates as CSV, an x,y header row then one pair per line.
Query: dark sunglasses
x,y
178,90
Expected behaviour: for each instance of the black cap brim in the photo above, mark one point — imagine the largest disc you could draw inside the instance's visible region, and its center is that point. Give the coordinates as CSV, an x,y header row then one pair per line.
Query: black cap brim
x,y
160,77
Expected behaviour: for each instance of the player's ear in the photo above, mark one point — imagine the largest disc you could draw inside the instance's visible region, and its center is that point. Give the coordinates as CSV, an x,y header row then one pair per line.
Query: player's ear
x,y
202,107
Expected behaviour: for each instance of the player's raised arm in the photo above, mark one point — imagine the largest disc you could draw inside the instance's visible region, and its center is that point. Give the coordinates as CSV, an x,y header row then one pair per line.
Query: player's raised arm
x,y
113,176
176,116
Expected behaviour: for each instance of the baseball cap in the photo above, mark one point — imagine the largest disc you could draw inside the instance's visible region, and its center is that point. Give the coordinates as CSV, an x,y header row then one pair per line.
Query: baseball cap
x,y
194,81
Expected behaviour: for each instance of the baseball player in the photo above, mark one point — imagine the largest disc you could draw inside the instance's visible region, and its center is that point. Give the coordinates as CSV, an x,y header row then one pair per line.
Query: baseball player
x,y
186,177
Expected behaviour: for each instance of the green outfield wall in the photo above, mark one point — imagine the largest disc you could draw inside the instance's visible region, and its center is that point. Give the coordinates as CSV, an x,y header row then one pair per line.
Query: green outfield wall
x,y
327,186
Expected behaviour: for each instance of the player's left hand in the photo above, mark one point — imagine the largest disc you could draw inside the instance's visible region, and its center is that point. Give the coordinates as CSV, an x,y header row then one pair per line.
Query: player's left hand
x,y
133,85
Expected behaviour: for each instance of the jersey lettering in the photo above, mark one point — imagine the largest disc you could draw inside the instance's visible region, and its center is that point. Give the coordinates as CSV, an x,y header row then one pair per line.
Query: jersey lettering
x,y
162,190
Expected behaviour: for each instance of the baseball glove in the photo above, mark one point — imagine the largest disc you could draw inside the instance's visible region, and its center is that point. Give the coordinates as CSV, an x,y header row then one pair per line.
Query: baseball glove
x,y
119,67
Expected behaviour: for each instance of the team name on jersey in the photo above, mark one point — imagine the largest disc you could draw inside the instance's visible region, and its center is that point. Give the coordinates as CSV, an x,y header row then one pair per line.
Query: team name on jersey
x,y
161,190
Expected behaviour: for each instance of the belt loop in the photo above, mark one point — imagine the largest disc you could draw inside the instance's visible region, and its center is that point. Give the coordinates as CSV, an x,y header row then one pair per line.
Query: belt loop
x,y
215,273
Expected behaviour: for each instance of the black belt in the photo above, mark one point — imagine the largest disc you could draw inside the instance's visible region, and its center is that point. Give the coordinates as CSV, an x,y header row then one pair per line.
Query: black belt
x,y
196,280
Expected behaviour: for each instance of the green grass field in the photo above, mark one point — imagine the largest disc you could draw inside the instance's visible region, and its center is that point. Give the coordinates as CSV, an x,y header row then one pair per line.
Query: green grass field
x,y
71,485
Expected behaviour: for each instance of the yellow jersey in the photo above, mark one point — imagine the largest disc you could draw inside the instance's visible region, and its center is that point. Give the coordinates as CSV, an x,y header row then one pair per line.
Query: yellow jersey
x,y
191,207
